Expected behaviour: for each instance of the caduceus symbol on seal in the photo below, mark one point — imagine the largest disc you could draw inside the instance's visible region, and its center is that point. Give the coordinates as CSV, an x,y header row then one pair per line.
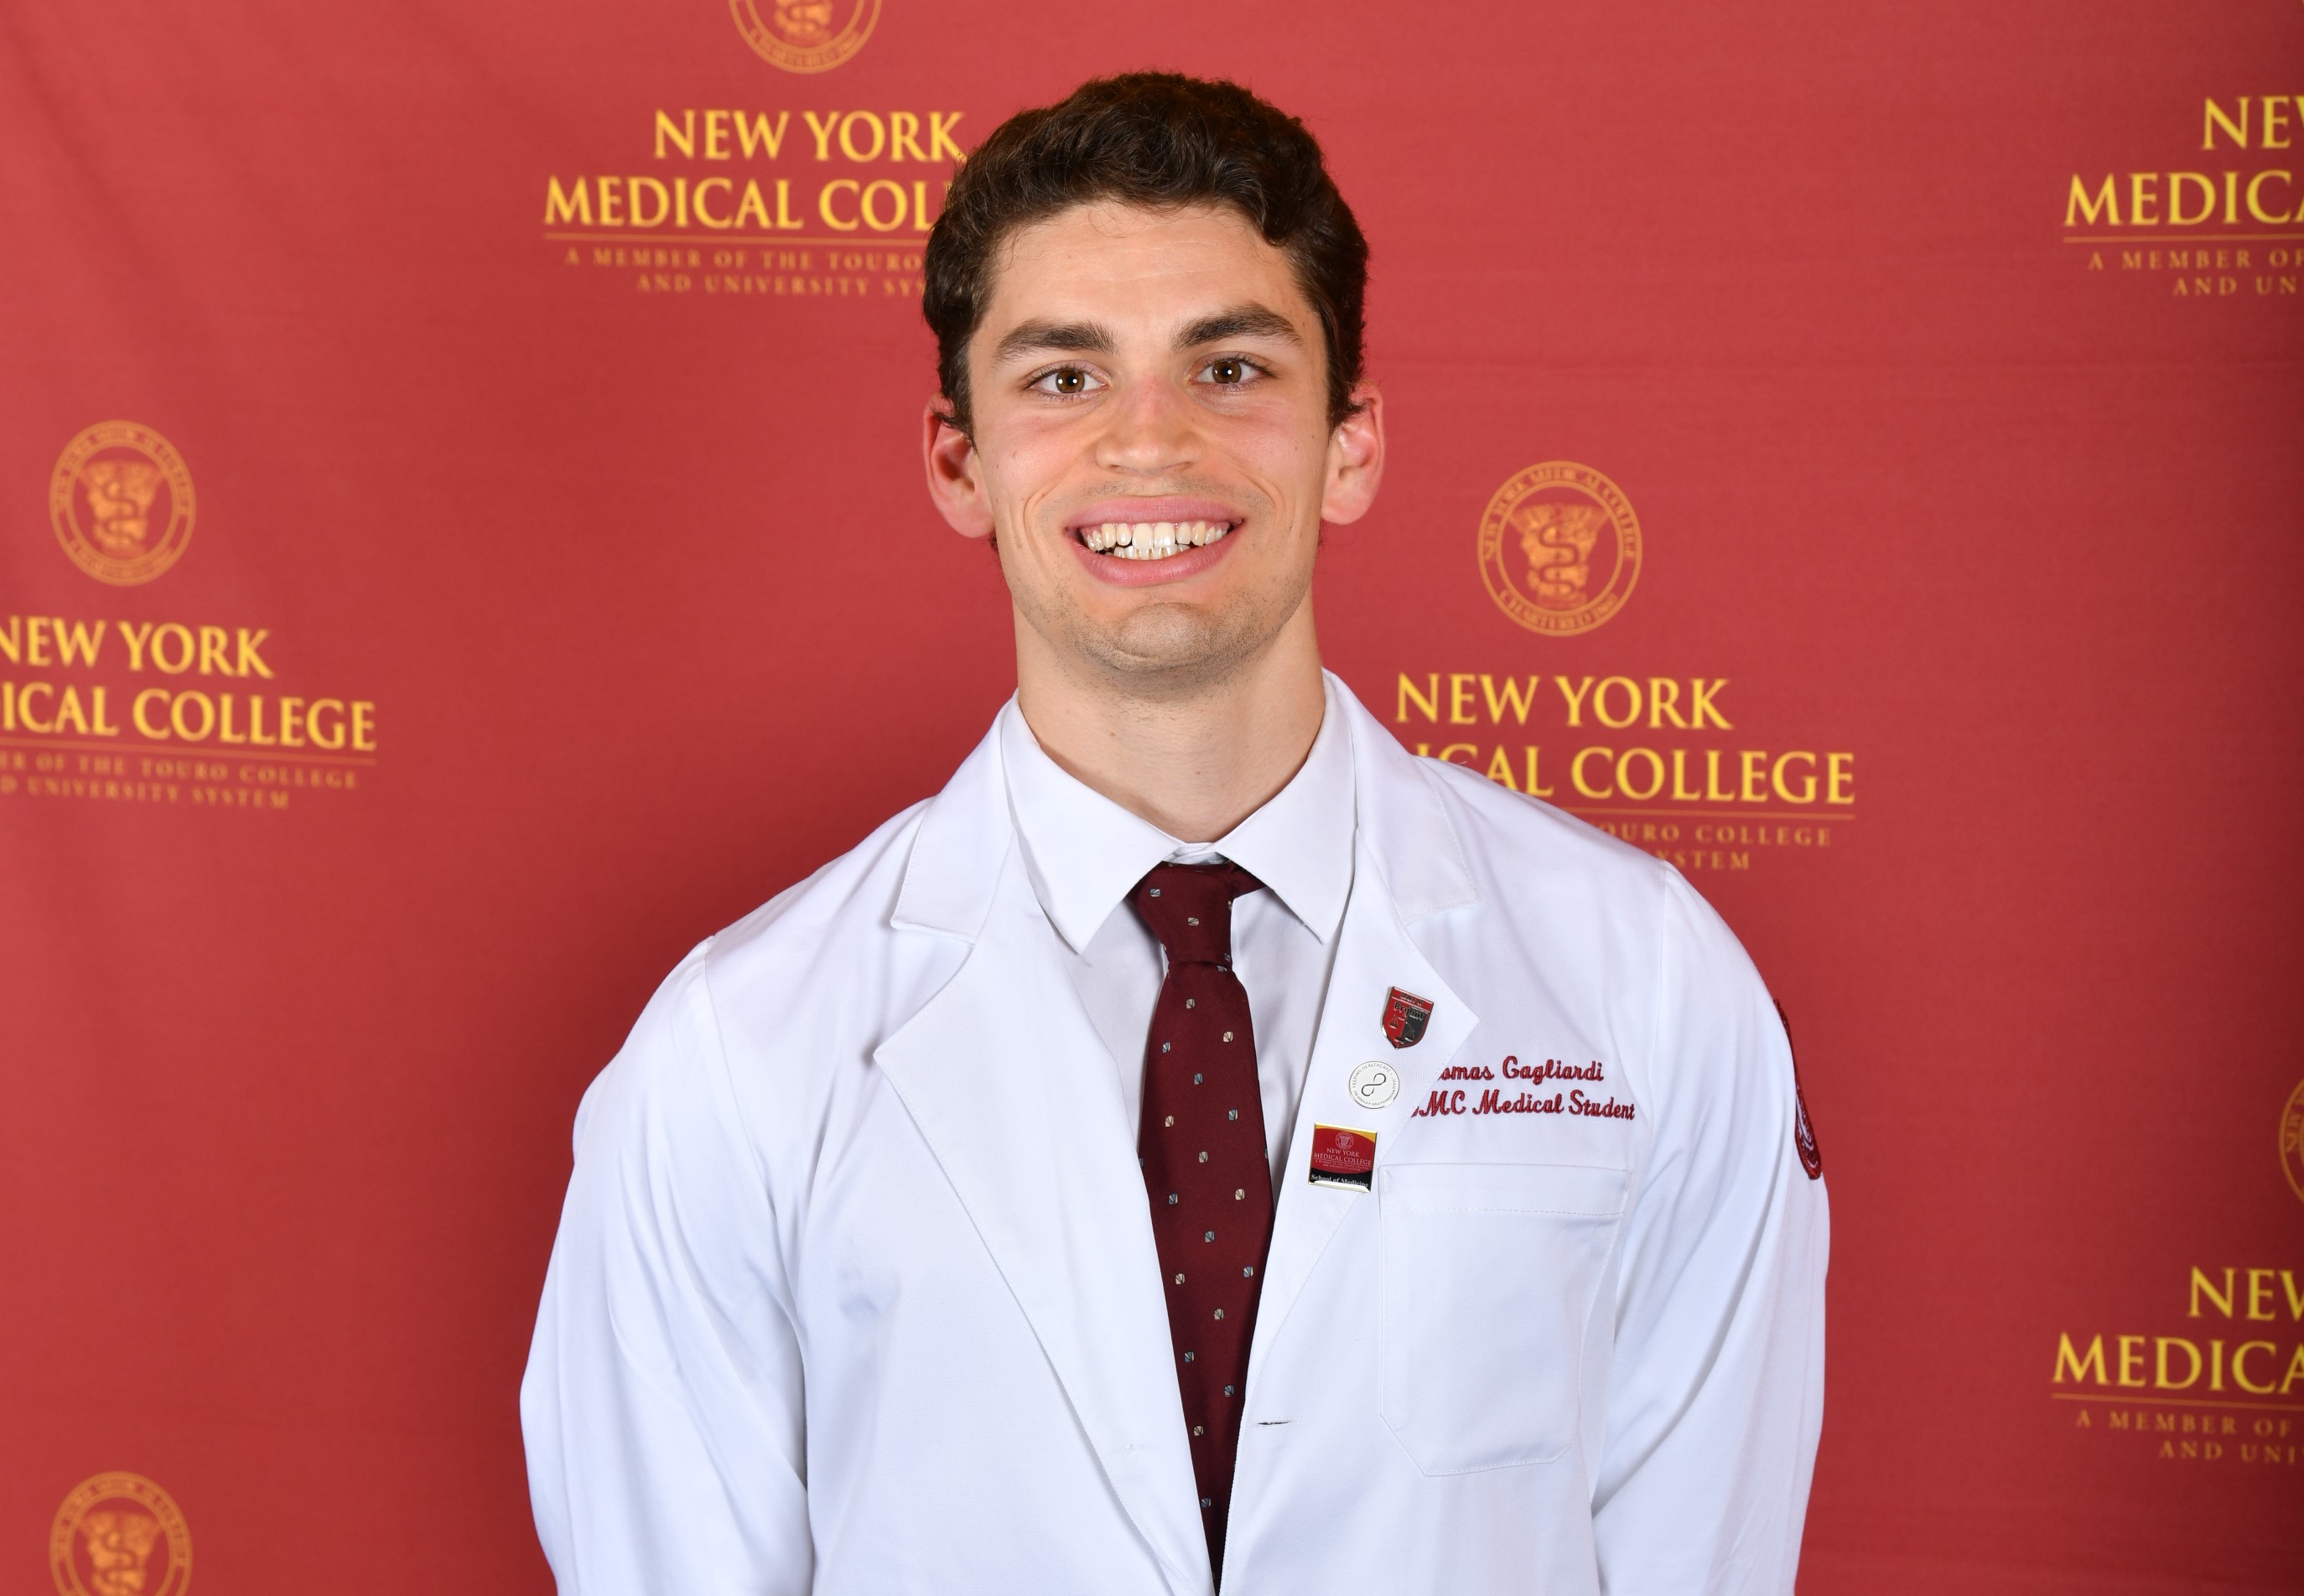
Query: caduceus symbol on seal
x,y
804,21
120,1550
120,499
1558,540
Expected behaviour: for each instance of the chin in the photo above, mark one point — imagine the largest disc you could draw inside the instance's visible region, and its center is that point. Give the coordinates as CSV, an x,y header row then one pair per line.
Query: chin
x,y
1173,649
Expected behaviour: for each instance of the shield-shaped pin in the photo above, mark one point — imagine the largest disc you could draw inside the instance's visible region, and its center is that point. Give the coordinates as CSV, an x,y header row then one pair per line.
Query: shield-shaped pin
x,y
1406,1016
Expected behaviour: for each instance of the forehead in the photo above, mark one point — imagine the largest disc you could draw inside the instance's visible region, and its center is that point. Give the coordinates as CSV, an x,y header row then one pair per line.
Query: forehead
x,y
1121,263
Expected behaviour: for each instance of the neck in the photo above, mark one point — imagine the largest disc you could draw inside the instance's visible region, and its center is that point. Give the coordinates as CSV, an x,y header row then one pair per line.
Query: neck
x,y
1196,764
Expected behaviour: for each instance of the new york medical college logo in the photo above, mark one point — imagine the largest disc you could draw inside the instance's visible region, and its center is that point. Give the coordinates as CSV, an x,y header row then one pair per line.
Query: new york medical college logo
x,y
768,198
1674,765
1560,548
129,701
805,35
120,1535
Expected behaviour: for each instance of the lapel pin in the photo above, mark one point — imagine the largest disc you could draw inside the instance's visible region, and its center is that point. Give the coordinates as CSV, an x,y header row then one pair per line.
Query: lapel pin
x,y
1406,1016
1343,1157
1374,1083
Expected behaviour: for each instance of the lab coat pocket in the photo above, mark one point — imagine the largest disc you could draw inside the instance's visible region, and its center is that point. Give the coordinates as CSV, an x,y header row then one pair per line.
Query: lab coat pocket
x,y
1489,1277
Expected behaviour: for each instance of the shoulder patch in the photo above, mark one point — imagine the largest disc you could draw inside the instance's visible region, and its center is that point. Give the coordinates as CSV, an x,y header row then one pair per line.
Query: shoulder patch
x,y
1811,1156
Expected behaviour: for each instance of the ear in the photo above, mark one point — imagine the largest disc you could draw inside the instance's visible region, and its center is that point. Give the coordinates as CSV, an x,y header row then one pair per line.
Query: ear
x,y
955,478
1355,459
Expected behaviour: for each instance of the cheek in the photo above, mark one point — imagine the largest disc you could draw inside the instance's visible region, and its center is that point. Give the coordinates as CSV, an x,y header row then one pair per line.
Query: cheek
x,y
1288,462
1278,431
1029,456
1019,481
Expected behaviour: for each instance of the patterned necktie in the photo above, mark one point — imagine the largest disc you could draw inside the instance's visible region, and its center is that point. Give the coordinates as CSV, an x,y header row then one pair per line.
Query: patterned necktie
x,y
1206,1167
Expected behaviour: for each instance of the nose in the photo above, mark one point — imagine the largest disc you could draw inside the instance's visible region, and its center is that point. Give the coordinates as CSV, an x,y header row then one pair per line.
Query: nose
x,y
1152,431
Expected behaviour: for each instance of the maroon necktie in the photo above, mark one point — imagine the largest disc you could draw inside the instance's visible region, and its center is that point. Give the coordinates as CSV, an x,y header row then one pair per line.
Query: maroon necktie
x,y
1206,1165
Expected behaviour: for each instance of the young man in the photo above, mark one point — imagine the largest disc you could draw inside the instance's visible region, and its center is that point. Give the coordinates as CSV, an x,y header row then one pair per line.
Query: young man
x,y
1203,1144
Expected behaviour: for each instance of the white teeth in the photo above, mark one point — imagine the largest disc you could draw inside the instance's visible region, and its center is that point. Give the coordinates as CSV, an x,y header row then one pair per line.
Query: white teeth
x,y
1151,540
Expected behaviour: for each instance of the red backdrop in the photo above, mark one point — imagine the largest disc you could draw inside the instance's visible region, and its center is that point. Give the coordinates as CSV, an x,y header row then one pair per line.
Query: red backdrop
x,y
573,559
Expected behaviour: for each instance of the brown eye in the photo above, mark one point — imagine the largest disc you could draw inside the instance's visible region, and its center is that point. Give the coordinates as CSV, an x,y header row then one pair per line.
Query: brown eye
x,y
1070,381
1227,371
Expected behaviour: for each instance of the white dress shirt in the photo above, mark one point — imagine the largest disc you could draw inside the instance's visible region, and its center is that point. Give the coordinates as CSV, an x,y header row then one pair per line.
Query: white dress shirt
x,y
1084,854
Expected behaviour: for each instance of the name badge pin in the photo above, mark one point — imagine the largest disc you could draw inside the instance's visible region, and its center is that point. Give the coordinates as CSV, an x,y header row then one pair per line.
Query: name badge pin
x,y
1373,1085
1342,1156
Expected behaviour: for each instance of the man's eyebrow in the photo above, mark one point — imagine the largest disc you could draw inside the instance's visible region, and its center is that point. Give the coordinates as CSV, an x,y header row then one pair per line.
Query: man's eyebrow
x,y
1076,337
1242,321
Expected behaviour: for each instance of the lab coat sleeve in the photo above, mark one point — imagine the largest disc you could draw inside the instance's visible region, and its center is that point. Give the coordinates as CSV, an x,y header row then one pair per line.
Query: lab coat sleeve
x,y
1717,1388
662,1406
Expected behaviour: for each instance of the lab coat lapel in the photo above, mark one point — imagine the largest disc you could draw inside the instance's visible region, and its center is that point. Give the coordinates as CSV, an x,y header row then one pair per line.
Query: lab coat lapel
x,y
1016,1095
1408,862
1374,954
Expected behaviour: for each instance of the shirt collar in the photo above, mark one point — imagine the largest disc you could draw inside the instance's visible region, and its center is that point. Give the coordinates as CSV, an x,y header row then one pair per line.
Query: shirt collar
x,y
1085,852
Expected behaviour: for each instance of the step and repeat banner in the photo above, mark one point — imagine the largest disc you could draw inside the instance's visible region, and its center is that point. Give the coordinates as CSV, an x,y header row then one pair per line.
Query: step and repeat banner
x,y
461,542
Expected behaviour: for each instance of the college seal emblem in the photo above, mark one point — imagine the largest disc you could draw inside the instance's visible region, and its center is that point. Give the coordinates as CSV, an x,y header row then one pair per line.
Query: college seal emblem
x,y
1560,548
120,1535
121,501
1406,1016
2292,1139
805,35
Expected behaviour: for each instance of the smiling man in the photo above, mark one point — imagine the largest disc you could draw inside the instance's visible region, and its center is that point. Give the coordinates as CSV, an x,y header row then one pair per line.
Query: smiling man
x,y
1203,1146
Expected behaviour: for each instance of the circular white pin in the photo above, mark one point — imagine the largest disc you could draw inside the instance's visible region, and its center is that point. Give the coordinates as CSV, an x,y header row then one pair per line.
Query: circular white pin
x,y
1374,1083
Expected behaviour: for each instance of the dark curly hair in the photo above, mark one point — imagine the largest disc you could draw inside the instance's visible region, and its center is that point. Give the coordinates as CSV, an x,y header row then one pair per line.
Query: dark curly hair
x,y
1161,141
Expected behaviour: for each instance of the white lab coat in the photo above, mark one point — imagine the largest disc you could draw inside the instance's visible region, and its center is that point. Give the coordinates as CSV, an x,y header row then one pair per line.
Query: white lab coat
x,y
855,1288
